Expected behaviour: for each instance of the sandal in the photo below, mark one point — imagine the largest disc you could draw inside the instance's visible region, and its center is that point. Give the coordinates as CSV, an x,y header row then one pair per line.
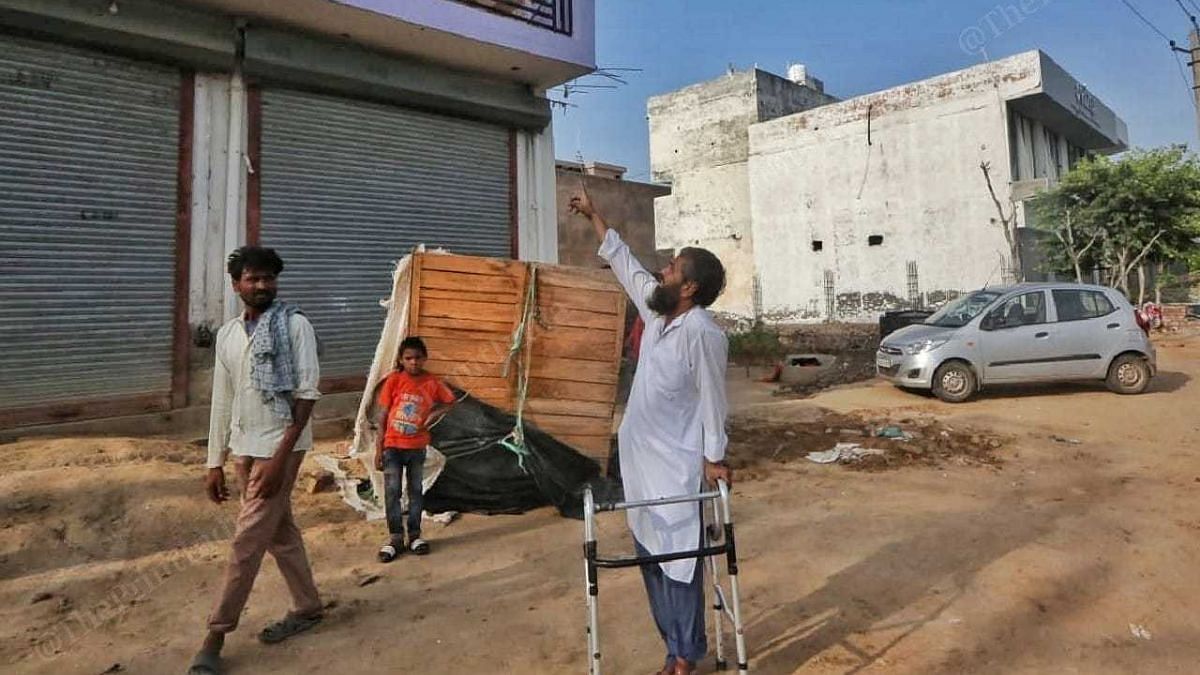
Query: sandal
x,y
420,546
388,553
206,663
290,625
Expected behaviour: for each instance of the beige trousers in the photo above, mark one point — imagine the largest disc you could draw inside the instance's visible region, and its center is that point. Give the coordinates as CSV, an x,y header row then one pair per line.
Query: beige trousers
x,y
265,525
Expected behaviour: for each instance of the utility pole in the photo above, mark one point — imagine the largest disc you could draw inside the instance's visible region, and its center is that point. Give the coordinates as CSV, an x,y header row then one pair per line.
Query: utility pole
x,y
1194,43
1193,61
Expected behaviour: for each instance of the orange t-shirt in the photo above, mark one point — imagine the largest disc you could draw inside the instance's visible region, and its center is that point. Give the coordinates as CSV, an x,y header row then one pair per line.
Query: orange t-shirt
x,y
409,401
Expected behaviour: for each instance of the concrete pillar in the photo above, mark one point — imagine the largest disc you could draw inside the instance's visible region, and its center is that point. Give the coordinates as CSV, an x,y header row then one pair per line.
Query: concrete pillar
x,y
537,223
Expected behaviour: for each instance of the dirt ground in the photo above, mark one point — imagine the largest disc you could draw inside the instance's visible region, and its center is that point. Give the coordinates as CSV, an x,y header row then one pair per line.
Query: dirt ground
x,y
1034,530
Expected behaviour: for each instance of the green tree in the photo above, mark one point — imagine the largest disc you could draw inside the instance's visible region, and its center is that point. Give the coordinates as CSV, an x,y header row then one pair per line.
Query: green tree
x,y
1122,214
1074,237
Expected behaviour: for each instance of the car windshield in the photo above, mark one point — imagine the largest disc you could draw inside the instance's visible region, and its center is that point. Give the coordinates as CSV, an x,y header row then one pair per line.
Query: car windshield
x,y
962,310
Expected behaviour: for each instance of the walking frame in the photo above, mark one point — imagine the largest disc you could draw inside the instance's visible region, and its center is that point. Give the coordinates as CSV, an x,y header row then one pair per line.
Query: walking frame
x,y
711,547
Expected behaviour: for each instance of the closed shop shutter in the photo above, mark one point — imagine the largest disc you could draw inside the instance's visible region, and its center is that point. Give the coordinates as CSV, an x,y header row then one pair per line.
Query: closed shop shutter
x,y
349,187
88,168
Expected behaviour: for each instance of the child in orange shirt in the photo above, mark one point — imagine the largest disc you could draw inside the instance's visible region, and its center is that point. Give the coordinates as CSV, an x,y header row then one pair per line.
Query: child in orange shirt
x,y
412,400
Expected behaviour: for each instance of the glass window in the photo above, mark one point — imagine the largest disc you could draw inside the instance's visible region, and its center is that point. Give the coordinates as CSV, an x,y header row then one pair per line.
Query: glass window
x,y
1040,154
1053,149
1077,305
1022,310
1022,147
960,311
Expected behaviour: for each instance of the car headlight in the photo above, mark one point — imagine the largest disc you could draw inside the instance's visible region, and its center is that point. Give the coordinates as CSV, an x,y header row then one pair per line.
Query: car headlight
x,y
924,346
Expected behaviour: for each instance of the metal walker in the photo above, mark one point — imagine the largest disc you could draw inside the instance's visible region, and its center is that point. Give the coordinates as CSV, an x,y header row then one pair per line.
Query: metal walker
x,y
712,546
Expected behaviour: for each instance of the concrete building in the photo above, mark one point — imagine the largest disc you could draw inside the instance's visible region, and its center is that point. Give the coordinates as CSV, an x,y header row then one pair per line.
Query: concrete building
x,y
700,146
142,140
629,205
845,209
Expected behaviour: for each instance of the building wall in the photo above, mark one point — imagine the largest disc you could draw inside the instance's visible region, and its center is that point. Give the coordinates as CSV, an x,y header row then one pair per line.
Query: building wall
x,y
627,205
710,209
700,144
219,172
917,183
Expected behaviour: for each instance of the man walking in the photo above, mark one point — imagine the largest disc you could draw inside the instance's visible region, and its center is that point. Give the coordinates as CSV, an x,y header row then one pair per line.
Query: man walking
x,y
264,386
673,432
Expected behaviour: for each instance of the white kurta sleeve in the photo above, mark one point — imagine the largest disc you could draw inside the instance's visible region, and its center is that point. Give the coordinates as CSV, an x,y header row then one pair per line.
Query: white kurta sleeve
x,y
710,356
304,350
637,282
221,410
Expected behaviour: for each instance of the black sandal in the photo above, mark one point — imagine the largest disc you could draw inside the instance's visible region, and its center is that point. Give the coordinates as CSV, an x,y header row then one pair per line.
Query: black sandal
x,y
206,663
292,624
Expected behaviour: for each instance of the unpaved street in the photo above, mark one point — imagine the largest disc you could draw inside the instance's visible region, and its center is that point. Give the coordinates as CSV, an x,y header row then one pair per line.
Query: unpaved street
x,y
1069,545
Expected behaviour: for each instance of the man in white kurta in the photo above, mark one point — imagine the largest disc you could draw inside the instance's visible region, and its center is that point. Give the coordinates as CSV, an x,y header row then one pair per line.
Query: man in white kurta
x,y
672,437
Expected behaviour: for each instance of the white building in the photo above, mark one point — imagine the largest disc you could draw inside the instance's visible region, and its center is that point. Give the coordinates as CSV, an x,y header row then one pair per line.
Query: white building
x,y
841,210
142,140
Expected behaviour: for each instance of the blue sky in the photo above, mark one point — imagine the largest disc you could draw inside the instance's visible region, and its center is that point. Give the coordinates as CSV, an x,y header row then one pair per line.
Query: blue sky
x,y
860,46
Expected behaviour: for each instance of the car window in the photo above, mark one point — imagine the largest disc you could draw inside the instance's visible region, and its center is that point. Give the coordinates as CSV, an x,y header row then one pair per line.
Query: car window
x,y
1076,305
1020,310
960,311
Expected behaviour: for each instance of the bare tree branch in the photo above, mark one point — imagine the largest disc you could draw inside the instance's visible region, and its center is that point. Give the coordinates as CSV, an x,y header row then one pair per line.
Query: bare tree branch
x,y
1145,250
1068,243
1095,238
1007,222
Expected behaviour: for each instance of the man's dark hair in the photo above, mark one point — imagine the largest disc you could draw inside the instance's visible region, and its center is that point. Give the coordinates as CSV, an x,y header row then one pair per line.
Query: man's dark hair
x,y
416,343
256,258
705,269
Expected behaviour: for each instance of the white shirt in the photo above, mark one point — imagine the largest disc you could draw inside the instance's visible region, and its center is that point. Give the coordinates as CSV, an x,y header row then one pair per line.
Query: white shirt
x,y
239,420
675,417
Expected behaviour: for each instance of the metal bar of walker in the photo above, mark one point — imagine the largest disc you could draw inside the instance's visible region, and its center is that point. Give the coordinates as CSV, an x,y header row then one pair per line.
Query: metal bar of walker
x,y
718,596
592,581
592,562
739,635
634,561
624,506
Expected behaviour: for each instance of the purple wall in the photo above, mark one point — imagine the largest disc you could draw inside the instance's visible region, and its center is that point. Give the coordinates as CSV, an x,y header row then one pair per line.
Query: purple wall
x,y
479,24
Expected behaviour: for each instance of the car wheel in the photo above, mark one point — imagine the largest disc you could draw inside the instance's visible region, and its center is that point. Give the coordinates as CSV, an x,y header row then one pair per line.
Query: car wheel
x,y
1128,374
954,382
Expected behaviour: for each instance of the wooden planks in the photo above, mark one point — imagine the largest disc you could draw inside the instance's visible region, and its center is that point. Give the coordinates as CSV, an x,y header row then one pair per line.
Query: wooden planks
x,y
568,317
577,277
574,343
467,309
497,327
577,298
569,390
554,406
471,351
471,369
595,372
458,281
570,424
464,309
451,294
596,447
473,265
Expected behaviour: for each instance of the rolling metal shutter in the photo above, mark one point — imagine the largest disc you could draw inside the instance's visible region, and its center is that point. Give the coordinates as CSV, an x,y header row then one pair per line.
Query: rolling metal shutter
x,y
88,164
349,187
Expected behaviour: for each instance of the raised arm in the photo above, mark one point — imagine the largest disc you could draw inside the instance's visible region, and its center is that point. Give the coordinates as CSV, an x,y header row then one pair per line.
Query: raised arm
x,y
635,279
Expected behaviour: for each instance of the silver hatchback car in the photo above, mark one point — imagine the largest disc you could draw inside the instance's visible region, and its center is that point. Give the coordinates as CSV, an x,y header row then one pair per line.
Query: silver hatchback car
x,y
1039,332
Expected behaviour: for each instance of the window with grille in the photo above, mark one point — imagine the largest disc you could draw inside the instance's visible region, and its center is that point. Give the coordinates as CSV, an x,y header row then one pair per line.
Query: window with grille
x,y
552,15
